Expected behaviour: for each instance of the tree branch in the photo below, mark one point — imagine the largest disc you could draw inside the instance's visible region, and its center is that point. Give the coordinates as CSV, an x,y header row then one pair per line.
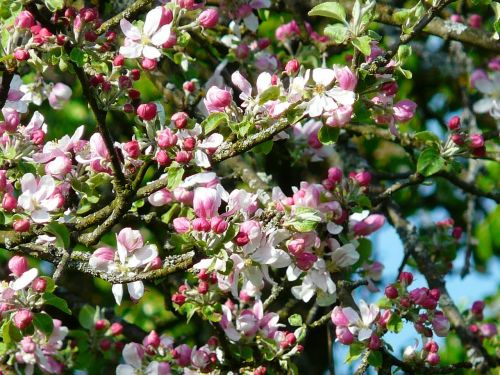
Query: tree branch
x,y
131,12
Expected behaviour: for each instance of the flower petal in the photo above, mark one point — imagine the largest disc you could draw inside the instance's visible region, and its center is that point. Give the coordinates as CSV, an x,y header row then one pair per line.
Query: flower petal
x,y
25,279
117,290
151,52
323,76
136,289
130,30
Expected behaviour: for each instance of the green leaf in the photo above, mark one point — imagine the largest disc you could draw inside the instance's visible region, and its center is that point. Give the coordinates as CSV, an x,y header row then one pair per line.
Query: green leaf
x,y
430,162
43,323
428,137
167,216
328,135
362,43
336,32
86,316
304,220
213,121
50,299
355,351
61,232
174,177
78,56
10,333
404,51
271,93
54,5
264,147
395,323
375,358
51,286
295,320
329,9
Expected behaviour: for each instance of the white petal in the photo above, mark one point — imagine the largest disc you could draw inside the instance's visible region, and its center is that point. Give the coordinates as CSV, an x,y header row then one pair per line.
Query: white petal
x,y
344,97
483,105
130,30
28,183
151,52
364,333
315,107
251,22
136,289
117,290
264,81
142,256
125,370
152,21
40,216
485,86
25,279
323,76
132,51
131,355
161,36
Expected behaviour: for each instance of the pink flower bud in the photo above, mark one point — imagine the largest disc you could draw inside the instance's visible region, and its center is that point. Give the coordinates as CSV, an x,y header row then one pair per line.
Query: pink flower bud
x,y
116,329
160,198
440,325
23,319
153,339
59,95
105,344
344,335
433,359
37,137
339,318
476,140
163,159
374,342
189,86
59,166
146,111
369,225
384,317
24,20
494,64
166,138
21,225
391,292
363,178
218,225
21,54
346,79
242,51
456,18
488,330
339,116
12,119
39,285
475,21
9,202
101,324
183,195
203,287
89,14
189,144
454,123
149,64
132,149
217,100
178,299
183,157
404,110
477,307
28,345
335,175
182,225
18,265
201,224
292,67
431,346
457,139
209,18
389,88
119,60
296,246
3,179
406,278
180,120
206,202
305,260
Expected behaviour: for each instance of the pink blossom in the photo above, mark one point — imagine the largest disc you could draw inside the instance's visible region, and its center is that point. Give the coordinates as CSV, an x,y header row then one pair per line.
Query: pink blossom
x,y
404,110
206,202
217,100
440,325
209,18
182,224
59,95
346,78
23,318
39,197
148,41
18,265
287,30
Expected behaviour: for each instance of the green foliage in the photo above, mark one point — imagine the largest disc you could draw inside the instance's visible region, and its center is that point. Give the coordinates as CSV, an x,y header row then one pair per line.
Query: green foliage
x,y
329,9
430,162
